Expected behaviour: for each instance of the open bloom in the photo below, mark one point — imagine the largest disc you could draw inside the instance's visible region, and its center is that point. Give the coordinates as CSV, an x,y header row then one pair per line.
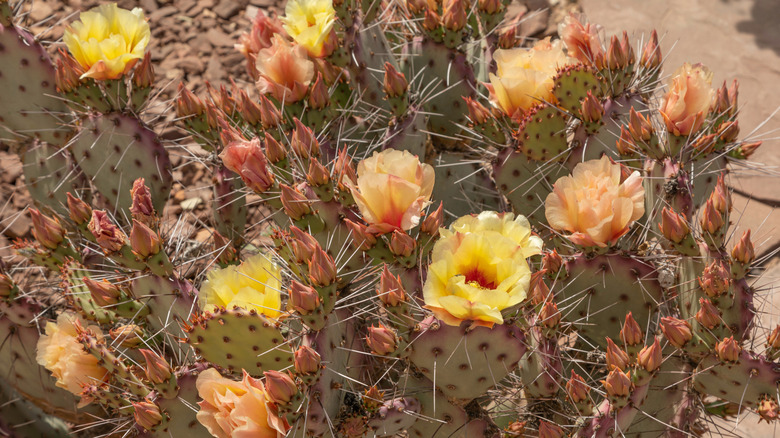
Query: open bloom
x,y
582,41
108,41
479,268
525,76
260,36
233,409
392,189
255,284
284,70
61,353
689,99
593,205
310,24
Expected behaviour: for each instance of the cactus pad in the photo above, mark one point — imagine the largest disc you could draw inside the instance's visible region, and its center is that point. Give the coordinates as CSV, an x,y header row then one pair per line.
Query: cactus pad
x,y
571,86
462,179
49,174
743,382
542,134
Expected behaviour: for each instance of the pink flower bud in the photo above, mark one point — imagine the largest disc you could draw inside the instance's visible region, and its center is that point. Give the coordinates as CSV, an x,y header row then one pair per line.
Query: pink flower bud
x,y
489,7
549,315
157,369
478,114
47,231
6,286
307,361
433,222
127,335
711,219
143,77
715,279
322,268
592,109
726,100
317,175
651,54
431,21
768,409
107,235
745,150
80,211
102,292
295,204
144,241
773,340
631,333
617,59
728,349
250,111
147,415
318,95
402,244
187,104
303,299
270,116
539,291
391,290
302,244
673,226
274,150
708,315
142,208
577,389
650,357
454,17
507,38
395,83
728,132
345,170
616,357
705,144
640,127
279,387
303,141
552,262
618,383
677,331
743,251
381,340
549,430
361,238
721,196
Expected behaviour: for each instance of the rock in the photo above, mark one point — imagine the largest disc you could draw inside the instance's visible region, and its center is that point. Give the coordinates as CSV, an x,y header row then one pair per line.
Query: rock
x,y
41,11
161,13
215,72
217,38
226,9
148,5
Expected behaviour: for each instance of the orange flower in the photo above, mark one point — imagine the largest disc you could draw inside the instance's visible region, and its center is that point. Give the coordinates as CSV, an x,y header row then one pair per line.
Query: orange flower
x,y
689,99
285,71
593,205
392,189
233,409
582,41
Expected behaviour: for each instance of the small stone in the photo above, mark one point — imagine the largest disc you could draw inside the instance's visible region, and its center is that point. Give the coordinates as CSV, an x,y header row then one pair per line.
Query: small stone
x,y
219,39
161,13
226,9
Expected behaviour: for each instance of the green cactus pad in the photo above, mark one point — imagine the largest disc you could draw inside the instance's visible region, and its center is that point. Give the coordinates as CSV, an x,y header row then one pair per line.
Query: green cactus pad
x,y
229,205
463,184
168,302
540,370
466,362
542,134
571,86
240,339
434,407
30,107
49,174
78,295
114,150
180,409
743,382
21,419
601,291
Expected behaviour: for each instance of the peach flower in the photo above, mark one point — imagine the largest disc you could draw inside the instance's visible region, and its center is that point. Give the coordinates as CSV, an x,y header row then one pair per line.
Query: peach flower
x,y
285,71
233,409
582,41
593,205
392,189
689,99
260,36
61,353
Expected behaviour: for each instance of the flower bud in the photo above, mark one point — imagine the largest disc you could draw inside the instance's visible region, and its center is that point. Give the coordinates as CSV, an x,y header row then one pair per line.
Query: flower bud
x,y
721,196
391,290
303,299
651,54
650,357
317,175
372,398
673,226
616,357
80,211
143,77
745,150
728,349
431,224
322,268
303,141
431,21
213,115
625,45
507,38
302,244
319,97
47,231
144,241
416,6
631,333
107,235
728,132
773,340
274,151
577,389
295,204
307,361
127,335
157,369
705,144
279,387
617,383
715,279
549,315
617,58
250,111
68,73
187,104
381,340
402,244
640,127
549,430
361,238
552,262
7,286
743,251
768,409
711,219
344,168
677,331
454,17
539,291
592,109
270,116
147,415
726,100
142,208
103,292
708,315
395,83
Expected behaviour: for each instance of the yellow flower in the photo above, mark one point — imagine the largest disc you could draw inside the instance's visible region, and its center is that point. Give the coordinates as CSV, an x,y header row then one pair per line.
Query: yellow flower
x,y
61,353
479,268
284,70
689,99
310,23
392,189
525,76
593,205
108,41
255,284
233,409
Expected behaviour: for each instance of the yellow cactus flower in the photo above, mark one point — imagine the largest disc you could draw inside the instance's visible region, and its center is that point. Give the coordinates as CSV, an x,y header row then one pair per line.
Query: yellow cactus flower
x,y
479,268
255,284
310,23
594,205
108,41
525,76
61,353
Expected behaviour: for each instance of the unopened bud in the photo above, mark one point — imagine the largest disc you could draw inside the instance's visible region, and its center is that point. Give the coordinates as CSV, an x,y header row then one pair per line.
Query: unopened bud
x,y
708,315
651,54
721,196
157,369
147,415
372,398
361,238
431,224
616,357
322,268
127,335
616,58
743,251
576,388
705,144
592,109
617,384
187,104
270,116
279,387
628,50
103,292
715,280
711,219
250,111
307,361
552,262
516,429
142,208
303,141
549,315
726,100
7,286
317,175
640,127
345,169
416,6
673,226
318,95
402,244
47,231
478,114
395,83
625,143
303,299
489,7
144,241
295,204
677,331
539,291
391,290
549,430
768,409
143,77
507,38
773,340
302,244
728,349
454,17
274,150
80,211
431,21
381,340
745,150
728,132
650,357
631,333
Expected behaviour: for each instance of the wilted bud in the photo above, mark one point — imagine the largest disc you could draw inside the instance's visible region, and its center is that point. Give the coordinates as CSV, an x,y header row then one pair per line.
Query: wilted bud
x,y
711,220
295,204
539,291
187,104
142,208
431,224
640,127
673,226
157,369
372,398
127,335
454,16
592,109
552,262
431,21
103,293
147,415
143,77
47,231
478,114
322,268
743,251
270,116
317,175
68,73
677,331
361,238
279,387
319,97
107,235
307,361
6,286
274,151
577,389
617,383
402,244
705,144
303,299
80,211
144,241
616,357
708,315
549,315
715,280
650,357
303,141
768,409
395,82
391,290
773,340
728,349
726,100
617,59
631,333
549,430
651,54
381,340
